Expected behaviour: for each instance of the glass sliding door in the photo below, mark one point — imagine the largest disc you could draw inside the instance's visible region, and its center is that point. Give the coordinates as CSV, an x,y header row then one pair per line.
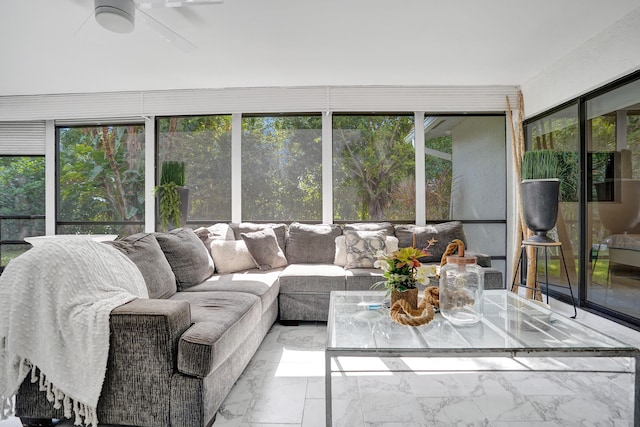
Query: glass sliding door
x,y
559,132
613,212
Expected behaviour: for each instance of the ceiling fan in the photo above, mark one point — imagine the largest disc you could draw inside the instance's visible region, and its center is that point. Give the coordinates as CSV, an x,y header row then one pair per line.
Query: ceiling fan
x,y
119,16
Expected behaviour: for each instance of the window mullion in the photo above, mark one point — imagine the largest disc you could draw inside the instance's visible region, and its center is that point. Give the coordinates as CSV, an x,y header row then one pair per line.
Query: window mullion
x,y
149,174
236,167
421,212
327,168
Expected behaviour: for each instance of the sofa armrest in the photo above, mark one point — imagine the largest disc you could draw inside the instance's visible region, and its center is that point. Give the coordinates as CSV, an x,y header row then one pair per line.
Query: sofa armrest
x,y
143,354
149,325
143,349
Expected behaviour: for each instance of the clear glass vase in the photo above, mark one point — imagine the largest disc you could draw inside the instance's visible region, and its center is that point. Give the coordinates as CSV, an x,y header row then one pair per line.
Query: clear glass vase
x,y
461,287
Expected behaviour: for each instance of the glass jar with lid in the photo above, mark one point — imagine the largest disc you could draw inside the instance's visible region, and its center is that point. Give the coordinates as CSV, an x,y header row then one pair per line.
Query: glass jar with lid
x,y
461,288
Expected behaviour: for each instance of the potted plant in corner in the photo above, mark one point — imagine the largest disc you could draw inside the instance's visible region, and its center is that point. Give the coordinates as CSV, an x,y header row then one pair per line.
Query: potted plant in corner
x,y
173,195
540,189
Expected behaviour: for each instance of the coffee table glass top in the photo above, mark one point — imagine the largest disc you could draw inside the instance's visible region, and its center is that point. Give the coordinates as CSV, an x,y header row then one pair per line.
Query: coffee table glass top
x,y
511,323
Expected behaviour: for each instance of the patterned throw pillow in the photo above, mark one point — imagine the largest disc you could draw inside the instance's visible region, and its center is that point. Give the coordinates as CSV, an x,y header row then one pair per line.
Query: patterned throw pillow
x,y
362,247
390,246
444,233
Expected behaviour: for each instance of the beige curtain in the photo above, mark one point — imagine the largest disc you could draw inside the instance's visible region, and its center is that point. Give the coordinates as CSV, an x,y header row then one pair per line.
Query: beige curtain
x,y
522,232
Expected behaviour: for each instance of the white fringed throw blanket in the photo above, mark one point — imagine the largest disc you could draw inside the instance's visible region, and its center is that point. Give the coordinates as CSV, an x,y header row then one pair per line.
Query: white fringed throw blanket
x,y
55,303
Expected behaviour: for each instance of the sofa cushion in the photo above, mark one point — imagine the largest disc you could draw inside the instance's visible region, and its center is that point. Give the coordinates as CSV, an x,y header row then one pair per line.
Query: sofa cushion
x,y
387,227
444,233
248,227
145,252
222,322
362,247
264,284
264,249
390,246
312,243
362,279
230,256
314,278
188,258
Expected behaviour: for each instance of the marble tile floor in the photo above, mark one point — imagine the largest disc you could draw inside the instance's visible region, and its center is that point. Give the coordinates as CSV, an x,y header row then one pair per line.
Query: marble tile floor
x,y
284,386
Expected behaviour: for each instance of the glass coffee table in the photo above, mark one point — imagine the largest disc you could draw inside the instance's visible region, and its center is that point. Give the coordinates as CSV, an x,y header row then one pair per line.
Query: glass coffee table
x,y
512,327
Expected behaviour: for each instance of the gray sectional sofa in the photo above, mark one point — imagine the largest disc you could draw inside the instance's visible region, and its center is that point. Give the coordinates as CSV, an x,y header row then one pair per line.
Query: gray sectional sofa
x,y
214,294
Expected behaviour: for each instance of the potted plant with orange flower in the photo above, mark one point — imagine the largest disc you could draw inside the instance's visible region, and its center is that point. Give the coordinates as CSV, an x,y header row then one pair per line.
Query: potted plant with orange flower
x,y
402,271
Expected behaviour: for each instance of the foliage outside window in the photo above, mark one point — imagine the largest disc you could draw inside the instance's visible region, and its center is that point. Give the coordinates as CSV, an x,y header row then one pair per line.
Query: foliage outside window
x,y
438,151
22,180
373,168
203,143
282,168
101,179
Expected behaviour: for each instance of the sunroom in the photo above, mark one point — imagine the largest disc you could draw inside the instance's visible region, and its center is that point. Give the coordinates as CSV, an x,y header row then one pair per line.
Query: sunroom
x,y
331,113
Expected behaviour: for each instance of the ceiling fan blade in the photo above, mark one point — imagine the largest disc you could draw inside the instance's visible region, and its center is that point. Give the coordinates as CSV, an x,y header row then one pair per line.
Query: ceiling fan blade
x,y
167,33
149,4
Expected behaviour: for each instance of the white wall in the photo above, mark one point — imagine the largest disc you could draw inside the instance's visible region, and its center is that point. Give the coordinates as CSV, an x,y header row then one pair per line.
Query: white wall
x,y
611,54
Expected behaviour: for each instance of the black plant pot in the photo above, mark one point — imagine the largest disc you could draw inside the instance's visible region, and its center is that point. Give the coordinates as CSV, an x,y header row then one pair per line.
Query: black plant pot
x,y
540,207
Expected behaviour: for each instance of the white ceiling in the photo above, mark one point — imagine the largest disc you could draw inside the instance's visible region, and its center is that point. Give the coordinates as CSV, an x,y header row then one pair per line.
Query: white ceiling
x,y
249,43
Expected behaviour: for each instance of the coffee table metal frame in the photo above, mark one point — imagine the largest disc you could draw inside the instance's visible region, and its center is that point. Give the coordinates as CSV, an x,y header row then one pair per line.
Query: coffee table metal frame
x,y
517,340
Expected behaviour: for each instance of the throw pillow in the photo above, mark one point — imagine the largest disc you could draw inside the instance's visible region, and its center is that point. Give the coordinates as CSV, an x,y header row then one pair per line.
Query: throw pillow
x,y
145,252
219,231
187,256
250,227
387,227
312,243
231,256
390,246
444,233
264,249
362,247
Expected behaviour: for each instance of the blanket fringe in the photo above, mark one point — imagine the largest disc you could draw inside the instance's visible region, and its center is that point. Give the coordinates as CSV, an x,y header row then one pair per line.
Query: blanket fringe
x,y
82,414
7,407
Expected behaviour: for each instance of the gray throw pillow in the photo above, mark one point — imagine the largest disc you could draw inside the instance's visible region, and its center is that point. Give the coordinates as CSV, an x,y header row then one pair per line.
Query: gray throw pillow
x,y
145,252
387,227
250,227
264,249
444,233
187,256
312,243
362,247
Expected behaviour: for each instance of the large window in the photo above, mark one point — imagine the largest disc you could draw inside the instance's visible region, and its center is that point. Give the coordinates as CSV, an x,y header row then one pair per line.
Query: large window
x,y
21,203
100,179
373,167
203,143
282,168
